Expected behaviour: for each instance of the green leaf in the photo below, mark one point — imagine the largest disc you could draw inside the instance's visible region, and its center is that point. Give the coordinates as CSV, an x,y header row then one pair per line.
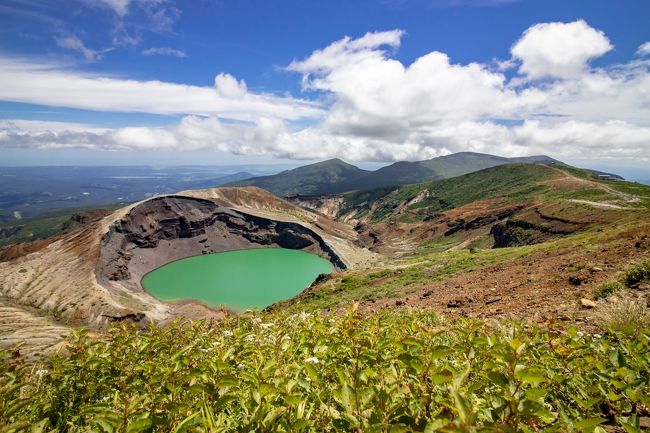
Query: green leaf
x,y
462,405
442,376
535,394
528,375
228,381
138,425
39,427
185,424
270,417
588,424
312,372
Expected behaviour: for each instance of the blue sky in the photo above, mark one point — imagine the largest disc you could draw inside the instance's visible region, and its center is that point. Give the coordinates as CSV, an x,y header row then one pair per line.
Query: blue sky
x,y
106,80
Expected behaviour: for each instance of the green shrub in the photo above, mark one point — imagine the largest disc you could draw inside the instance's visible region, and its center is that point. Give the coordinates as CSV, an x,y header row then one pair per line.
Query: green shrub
x,y
391,371
607,290
637,274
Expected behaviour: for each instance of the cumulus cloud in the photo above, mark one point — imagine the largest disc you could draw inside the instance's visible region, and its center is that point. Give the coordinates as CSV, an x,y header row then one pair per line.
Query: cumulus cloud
x,y
559,49
228,86
377,108
164,51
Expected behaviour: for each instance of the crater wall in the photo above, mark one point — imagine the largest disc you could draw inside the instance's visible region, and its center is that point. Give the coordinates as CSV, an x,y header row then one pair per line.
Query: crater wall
x,y
169,228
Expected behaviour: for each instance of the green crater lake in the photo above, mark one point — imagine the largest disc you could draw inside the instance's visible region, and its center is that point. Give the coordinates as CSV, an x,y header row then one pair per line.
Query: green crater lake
x,y
238,280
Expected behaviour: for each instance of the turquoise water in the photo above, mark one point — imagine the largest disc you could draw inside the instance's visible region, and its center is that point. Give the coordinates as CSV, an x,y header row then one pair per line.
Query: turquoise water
x,y
239,280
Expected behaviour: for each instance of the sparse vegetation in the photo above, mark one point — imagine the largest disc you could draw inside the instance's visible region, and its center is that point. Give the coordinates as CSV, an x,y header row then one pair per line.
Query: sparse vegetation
x,y
624,312
607,289
392,371
637,274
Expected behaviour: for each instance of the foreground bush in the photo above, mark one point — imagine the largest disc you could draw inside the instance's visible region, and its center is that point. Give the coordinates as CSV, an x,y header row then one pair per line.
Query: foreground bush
x,y
387,372
637,274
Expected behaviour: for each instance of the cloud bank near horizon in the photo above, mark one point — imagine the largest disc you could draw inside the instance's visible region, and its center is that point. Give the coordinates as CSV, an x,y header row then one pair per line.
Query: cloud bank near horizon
x,y
366,105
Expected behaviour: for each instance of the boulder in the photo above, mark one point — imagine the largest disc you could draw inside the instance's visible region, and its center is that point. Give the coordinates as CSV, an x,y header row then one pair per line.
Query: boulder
x,y
587,303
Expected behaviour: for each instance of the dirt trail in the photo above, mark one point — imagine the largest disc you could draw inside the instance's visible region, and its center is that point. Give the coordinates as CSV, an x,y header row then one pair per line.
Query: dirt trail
x,y
625,197
602,204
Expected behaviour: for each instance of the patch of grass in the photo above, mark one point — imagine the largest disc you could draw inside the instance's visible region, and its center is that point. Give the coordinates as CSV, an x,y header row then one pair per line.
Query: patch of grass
x,y
625,313
439,245
637,274
607,289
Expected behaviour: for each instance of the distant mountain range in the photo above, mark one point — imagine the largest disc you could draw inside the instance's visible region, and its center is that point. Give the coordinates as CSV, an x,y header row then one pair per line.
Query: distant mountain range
x,y
336,176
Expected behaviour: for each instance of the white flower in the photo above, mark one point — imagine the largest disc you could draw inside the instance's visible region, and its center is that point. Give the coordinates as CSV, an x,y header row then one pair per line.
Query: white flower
x,y
597,336
204,350
332,321
250,337
312,360
267,325
286,337
40,373
257,320
304,316
580,333
227,333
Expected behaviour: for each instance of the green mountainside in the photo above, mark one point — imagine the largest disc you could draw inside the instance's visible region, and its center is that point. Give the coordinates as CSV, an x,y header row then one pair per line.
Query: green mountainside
x,y
512,181
335,176
314,179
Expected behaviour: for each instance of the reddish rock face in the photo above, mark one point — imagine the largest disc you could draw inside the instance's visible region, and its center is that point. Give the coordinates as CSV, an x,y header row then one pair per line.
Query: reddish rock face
x,y
173,227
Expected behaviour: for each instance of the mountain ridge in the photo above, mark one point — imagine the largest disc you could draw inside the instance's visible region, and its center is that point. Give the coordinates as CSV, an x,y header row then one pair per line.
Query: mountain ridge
x,y
335,176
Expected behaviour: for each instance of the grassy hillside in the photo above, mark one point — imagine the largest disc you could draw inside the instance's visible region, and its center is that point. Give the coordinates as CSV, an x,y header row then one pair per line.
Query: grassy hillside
x,y
513,180
462,163
320,178
512,183
399,173
389,372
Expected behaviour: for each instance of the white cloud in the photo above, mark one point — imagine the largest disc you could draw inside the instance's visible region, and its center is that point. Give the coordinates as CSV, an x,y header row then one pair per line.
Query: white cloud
x,y
644,49
377,107
347,50
53,85
120,7
75,44
559,49
164,51
228,86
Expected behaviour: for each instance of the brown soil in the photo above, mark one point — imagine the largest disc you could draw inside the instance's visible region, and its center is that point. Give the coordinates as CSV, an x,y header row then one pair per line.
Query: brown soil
x,y
544,286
